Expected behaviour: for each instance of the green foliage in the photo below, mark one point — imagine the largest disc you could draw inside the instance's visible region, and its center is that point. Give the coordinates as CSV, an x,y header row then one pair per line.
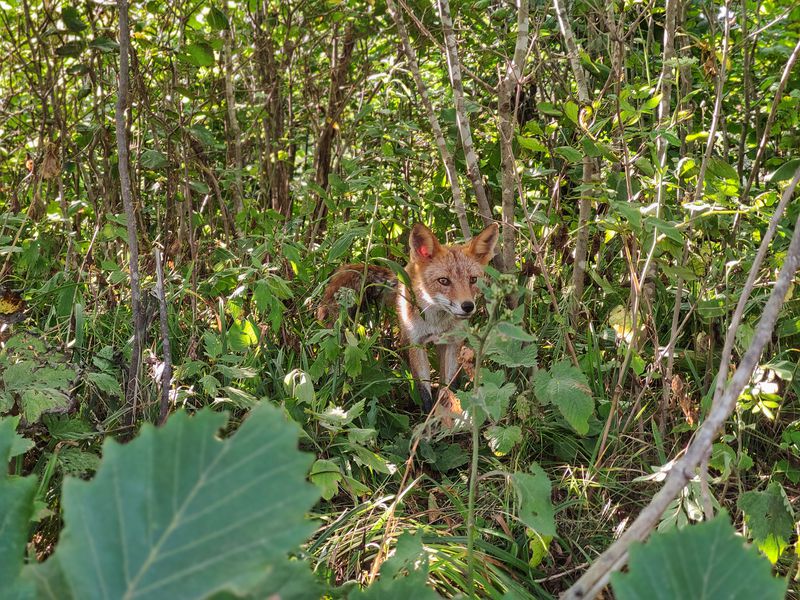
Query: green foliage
x,y
567,388
770,517
403,576
180,512
697,562
16,510
535,506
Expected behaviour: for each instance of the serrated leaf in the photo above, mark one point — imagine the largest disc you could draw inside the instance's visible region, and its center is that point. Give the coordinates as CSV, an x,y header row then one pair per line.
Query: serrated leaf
x,y
702,562
566,387
535,504
513,332
233,372
451,457
571,154
106,383
503,439
179,513
770,518
36,402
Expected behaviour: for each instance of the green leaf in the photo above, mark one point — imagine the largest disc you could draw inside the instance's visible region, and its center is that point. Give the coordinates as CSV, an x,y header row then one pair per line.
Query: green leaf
x,y
785,172
403,576
535,505
491,398
567,388
16,510
233,372
702,562
217,19
73,48
531,144
569,153
153,160
178,512
770,517
452,457
502,439
326,475
104,44
72,19
199,54
106,383
513,332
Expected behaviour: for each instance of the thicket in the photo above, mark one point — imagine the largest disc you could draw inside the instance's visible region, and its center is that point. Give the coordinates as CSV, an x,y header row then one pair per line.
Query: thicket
x,y
178,181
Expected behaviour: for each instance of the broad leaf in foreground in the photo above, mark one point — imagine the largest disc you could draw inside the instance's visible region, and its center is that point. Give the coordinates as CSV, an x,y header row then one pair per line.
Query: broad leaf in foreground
x,y
16,509
179,513
702,562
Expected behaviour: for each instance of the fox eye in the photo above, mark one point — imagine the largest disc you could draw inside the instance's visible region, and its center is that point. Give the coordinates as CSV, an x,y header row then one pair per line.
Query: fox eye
x,y
473,280
443,280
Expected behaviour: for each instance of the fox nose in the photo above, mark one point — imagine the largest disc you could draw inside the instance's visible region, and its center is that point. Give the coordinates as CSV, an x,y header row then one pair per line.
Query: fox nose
x,y
467,306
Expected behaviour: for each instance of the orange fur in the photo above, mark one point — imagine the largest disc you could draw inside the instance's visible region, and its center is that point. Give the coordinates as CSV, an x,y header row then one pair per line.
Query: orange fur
x,y
443,291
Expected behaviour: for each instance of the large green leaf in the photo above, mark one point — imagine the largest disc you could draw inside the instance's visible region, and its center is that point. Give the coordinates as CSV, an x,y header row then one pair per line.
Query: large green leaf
x,y
770,517
535,504
179,513
567,388
16,509
702,562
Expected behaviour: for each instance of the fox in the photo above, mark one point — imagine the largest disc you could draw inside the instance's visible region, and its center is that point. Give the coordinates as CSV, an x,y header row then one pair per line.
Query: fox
x,y
443,291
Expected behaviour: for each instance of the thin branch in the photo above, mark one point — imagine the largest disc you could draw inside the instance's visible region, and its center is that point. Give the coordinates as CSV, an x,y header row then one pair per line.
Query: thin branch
x,y
166,373
132,388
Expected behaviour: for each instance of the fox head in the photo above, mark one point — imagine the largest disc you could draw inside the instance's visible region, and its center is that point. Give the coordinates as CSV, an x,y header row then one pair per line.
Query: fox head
x,y
447,276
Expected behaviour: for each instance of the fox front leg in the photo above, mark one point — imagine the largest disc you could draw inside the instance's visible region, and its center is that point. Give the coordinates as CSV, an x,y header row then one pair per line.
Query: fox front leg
x,y
448,363
421,370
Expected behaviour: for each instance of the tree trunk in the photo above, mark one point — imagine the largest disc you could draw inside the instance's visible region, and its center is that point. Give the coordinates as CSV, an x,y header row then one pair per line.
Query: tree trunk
x,y
507,95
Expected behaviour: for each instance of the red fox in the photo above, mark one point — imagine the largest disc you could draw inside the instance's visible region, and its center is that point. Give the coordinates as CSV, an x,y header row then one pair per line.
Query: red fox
x,y
444,285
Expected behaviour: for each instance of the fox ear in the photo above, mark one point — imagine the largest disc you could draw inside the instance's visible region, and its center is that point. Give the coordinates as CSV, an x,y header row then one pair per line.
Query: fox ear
x,y
423,243
481,247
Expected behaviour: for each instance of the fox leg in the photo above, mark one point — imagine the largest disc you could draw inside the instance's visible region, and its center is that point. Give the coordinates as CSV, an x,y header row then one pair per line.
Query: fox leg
x,y
448,363
421,370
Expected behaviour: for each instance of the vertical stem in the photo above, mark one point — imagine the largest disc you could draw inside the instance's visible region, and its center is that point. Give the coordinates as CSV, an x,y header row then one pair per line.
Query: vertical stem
x,y
131,391
166,374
